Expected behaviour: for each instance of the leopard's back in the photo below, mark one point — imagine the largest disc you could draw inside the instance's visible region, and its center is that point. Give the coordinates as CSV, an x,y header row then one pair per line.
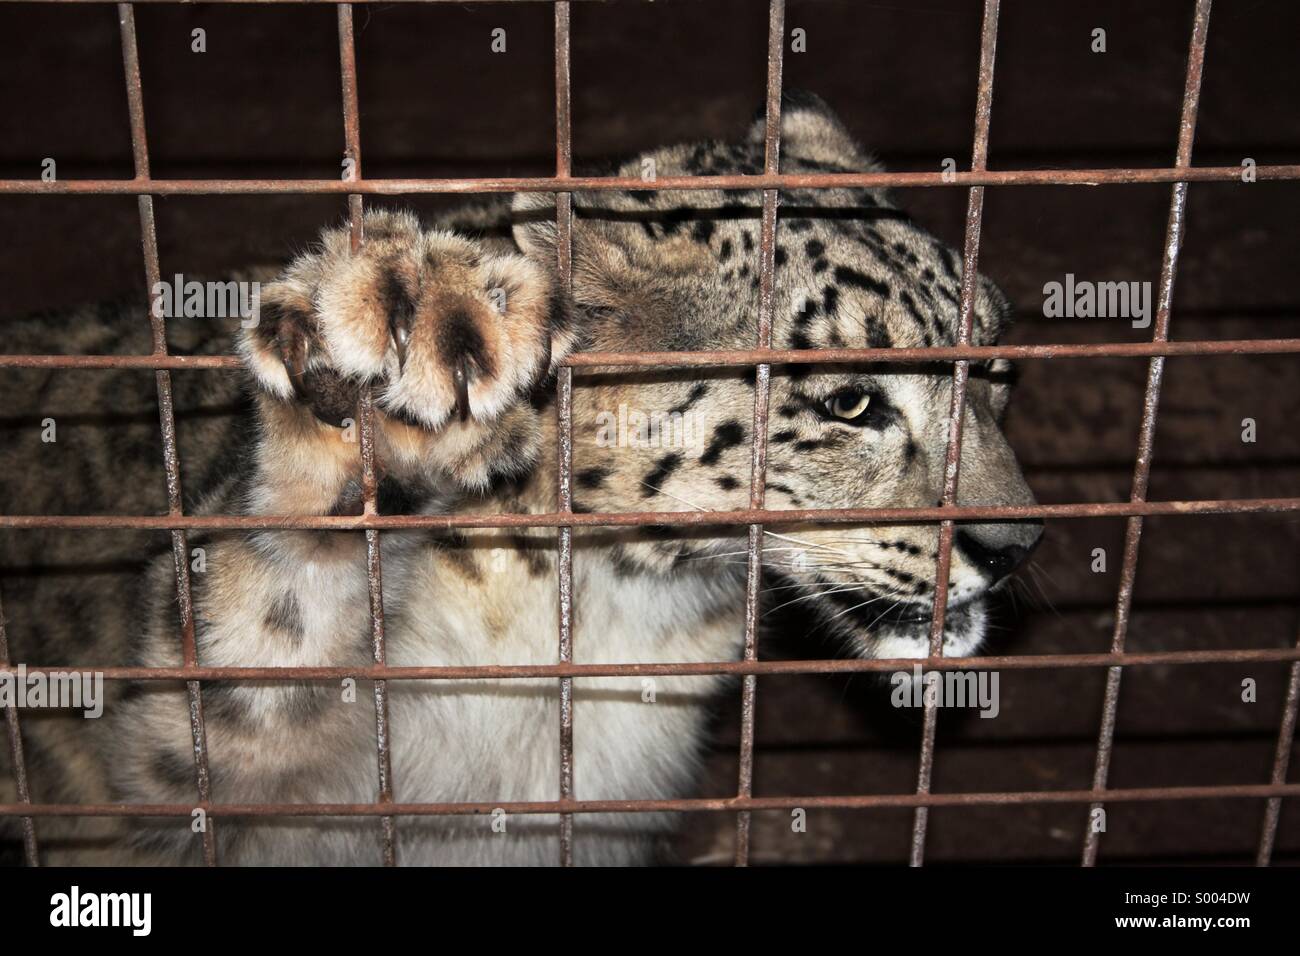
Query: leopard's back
x,y
88,442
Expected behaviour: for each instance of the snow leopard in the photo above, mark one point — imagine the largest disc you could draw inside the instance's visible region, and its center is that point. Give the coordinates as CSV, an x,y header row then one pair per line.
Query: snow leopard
x,y
456,330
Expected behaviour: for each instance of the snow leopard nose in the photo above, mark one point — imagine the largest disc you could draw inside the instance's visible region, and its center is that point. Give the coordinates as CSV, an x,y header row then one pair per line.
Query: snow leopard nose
x,y
1000,549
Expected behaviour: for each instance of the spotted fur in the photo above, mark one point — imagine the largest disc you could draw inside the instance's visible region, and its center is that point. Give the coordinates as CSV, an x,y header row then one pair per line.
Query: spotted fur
x,y
651,271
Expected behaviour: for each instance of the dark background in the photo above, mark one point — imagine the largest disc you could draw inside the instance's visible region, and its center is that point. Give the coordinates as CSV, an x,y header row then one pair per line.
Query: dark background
x,y
264,101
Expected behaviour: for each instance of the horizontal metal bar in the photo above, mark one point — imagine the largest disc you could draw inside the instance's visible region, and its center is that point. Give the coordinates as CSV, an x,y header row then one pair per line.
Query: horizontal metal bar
x,y
946,353
514,184
121,361
1102,509
715,804
744,357
300,3
680,669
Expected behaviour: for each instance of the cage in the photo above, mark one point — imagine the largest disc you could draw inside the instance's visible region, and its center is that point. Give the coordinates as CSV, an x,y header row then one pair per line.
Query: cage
x,y
1160,684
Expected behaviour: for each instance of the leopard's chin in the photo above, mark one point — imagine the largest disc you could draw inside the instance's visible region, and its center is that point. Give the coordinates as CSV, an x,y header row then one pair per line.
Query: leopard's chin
x,y
903,630
907,634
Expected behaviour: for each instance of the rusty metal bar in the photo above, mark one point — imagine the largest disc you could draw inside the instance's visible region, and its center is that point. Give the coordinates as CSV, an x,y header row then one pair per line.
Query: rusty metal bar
x,y
30,855
1281,762
1150,406
375,591
960,374
696,805
365,412
375,587
544,184
681,669
763,357
351,123
722,358
618,519
762,402
167,418
290,2
564,412
935,353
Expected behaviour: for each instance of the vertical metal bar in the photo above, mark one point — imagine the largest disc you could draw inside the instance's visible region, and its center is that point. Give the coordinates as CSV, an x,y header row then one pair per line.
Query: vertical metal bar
x,y
1281,761
1150,405
167,420
762,394
564,411
375,586
16,756
351,118
366,413
957,410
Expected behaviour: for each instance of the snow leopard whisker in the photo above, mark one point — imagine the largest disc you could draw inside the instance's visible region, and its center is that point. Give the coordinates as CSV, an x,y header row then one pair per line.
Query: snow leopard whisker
x,y
814,596
772,534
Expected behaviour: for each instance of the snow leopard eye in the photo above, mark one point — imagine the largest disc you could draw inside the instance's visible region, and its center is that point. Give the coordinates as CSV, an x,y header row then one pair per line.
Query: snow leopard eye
x,y
849,406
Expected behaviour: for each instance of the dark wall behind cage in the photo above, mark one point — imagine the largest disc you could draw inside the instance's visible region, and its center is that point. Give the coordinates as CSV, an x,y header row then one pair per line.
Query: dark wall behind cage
x,y
435,101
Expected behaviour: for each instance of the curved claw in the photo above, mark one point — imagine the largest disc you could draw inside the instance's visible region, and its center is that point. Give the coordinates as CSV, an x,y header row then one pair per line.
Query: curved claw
x,y
401,333
294,354
461,381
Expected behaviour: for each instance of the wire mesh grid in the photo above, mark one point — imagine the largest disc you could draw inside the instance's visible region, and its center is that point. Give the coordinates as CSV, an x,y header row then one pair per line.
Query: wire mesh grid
x,y
762,357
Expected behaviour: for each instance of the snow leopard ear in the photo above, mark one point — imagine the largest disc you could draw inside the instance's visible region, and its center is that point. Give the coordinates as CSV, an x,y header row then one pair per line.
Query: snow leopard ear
x,y
811,130
532,222
604,247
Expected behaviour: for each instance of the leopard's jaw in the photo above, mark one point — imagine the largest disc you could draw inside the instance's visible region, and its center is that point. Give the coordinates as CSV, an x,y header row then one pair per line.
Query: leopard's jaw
x,y
963,635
